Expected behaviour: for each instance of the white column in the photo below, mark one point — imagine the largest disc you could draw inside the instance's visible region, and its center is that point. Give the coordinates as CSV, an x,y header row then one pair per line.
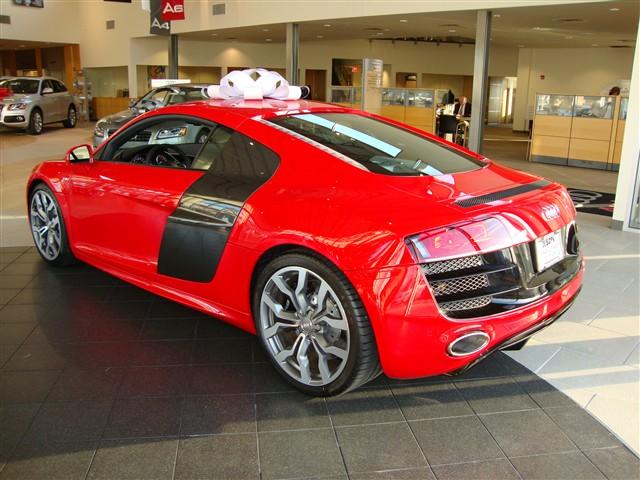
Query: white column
x,y
480,80
292,46
630,155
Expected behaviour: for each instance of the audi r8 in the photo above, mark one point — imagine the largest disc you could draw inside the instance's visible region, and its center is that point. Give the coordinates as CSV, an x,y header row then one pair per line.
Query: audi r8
x,y
350,244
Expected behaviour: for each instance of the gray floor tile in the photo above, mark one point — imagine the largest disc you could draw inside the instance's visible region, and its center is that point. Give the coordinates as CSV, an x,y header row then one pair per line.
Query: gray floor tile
x,y
99,355
218,456
487,470
169,329
119,310
14,281
22,313
134,459
14,422
213,328
6,352
144,417
153,381
290,411
455,440
78,421
370,405
424,473
280,454
268,380
585,431
431,400
495,395
68,461
14,333
128,293
8,294
526,433
218,414
616,463
77,383
161,352
229,350
106,330
560,465
26,387
544,394
379,447
162,308
220,379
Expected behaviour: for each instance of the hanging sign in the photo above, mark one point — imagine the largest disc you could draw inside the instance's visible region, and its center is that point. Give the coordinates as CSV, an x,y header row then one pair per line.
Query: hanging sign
x,y
158,26
172,10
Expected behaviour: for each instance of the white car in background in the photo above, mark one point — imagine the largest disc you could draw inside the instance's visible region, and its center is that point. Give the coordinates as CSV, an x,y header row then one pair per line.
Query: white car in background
x,y
35,102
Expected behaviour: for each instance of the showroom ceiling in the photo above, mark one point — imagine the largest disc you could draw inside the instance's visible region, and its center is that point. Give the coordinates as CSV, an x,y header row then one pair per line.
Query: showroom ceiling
x,y
582,25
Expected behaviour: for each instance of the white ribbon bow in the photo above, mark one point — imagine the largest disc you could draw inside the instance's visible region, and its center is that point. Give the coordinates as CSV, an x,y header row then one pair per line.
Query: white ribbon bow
x,y
241,84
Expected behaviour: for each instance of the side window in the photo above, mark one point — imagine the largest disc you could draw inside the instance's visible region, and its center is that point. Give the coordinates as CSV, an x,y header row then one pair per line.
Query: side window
x,y
243,157
166,142
46,84
58,86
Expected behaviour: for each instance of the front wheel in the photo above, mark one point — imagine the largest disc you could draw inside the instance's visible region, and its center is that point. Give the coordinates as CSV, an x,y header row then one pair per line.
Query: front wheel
x,y
72,118
35,122
48,227
313,326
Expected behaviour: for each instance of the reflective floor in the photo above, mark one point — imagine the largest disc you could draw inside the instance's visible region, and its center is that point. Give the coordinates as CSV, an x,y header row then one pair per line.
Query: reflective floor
x,y
99,379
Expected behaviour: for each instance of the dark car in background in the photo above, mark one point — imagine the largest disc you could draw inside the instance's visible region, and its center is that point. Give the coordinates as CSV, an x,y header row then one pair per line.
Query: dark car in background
x,y
156,98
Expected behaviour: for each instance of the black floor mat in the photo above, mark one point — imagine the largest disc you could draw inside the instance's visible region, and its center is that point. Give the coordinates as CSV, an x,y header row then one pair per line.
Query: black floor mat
x,y
588,201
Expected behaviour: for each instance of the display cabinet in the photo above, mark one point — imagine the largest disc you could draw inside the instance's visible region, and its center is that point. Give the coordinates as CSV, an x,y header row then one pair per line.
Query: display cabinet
x,y
619,132
347,96
413,106
575,130
394,103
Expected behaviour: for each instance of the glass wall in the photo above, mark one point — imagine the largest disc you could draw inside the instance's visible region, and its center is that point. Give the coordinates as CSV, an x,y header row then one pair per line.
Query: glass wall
x,y
634,221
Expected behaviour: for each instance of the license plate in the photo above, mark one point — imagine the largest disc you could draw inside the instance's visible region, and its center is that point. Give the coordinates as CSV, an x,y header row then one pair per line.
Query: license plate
x,y
549,250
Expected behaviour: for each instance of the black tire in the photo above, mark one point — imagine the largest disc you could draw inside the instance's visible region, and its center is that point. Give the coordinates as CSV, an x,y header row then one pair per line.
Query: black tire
x,y
64,256
35,126
362,364
72,118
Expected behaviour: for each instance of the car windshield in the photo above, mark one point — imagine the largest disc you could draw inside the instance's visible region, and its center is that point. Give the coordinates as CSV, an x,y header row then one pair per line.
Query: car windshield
x,y
378,146
21,85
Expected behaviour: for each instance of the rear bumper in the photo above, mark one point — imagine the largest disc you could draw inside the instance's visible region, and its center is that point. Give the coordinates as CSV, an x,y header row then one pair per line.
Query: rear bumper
x,y
413,335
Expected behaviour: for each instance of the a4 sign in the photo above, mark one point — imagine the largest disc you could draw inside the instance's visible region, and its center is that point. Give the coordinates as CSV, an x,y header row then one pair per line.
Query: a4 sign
x,y
161,14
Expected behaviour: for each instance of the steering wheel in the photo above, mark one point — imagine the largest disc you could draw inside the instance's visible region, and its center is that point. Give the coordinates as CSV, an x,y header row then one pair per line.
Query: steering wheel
x,y
166,156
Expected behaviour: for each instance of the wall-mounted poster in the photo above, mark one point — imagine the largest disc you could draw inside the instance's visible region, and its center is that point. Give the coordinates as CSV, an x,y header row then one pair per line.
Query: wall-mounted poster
x,y
30,3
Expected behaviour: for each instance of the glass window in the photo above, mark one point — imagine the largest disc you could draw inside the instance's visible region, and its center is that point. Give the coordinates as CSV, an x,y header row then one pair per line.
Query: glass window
x,y
47,84
379,146
634,221
394,96
184,95
421,98
58,86
167,142
624,106
594,107
21,85
558,105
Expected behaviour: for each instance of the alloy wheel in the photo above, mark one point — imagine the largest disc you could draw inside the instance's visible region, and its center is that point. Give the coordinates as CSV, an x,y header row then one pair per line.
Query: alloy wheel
x,y
304,326
45,225
37,122
73,117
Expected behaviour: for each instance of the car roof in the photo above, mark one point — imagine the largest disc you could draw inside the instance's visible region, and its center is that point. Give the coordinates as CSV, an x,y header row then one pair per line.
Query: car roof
x,y
32,78
250,108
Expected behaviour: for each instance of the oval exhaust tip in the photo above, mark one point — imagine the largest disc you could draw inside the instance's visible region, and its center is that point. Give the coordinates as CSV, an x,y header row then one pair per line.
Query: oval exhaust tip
x,y
468,344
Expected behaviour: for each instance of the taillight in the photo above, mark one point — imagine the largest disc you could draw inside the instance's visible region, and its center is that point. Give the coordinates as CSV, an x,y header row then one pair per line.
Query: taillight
x,y
471,238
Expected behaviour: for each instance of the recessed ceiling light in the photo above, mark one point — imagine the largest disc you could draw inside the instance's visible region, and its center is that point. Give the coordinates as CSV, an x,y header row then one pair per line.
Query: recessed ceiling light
x,y
387,29
319,36
541,29
403,20
594,44
22,46
268,40
568,37
614,9
265,29
214,34
521,46
452,30
326,25
496,15
380,33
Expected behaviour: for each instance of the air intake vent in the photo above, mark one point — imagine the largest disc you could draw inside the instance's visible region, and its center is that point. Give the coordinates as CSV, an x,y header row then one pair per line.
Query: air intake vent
x,y
111,24
509,192
5,19
219,8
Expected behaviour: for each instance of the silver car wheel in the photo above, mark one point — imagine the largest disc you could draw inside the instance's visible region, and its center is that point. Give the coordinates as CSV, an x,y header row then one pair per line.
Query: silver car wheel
x,y
45,225
73,117
304,326
37,121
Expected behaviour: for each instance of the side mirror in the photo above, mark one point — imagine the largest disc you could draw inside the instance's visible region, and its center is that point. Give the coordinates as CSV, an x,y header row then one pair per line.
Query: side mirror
x,y
80,153
47,90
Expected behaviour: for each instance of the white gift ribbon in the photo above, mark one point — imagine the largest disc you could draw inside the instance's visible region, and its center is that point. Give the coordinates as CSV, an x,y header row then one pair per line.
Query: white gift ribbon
x,y
241,84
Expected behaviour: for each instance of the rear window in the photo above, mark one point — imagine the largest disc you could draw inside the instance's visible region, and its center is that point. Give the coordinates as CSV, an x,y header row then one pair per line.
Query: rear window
x,y
379,146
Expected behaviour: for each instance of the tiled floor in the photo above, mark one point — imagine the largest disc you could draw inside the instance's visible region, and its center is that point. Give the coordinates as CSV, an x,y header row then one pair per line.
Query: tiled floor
x,y
102,380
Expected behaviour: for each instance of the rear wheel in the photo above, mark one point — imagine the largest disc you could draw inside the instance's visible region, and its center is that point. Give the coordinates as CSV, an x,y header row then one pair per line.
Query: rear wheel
x,y
35,122
72,118
48,228
313,326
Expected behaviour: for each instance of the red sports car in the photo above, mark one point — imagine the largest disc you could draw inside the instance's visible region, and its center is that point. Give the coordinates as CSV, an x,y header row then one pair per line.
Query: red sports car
x,y
349,243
